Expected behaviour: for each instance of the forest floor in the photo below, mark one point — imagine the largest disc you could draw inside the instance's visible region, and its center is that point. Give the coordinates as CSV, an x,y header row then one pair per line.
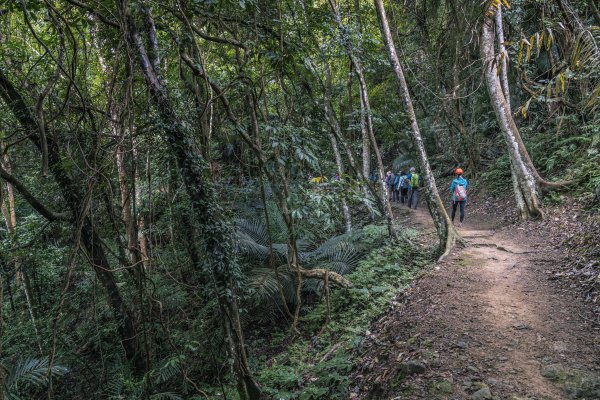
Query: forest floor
x,y
491,321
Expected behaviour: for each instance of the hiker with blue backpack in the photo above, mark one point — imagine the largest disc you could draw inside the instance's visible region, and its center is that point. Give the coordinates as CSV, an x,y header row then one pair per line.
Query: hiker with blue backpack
x,y
458,188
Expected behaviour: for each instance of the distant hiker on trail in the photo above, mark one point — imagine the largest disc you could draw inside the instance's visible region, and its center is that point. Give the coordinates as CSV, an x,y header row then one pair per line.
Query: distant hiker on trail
x,y
389,182
396,188
373,177
458,188
404,185
415,185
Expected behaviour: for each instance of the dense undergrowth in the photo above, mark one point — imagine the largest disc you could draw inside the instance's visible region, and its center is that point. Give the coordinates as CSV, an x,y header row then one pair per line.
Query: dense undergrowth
x,y
316,366
112,224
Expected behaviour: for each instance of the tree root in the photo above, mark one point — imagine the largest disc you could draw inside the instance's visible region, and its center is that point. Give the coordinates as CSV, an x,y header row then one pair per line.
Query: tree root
x,y
547,184
319,273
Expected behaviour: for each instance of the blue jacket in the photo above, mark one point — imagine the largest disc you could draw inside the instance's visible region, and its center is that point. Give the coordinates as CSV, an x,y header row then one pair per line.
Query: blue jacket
x,y
458,181
396,180
403,184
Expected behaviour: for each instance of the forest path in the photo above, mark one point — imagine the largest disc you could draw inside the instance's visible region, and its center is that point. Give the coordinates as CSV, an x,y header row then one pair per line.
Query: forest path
x,y
486,323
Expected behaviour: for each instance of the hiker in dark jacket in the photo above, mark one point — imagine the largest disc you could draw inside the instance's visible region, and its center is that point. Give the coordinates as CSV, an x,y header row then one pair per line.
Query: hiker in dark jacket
x,y
458,189
389,182
404,185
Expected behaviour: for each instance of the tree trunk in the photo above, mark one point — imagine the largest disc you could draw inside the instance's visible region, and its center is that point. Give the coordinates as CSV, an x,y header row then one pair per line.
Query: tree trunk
x,y
446,233
366,110
340,169
520,200
206,207
333,122
8,209
366,153
129,221
91,242
503,56
526,187
366,119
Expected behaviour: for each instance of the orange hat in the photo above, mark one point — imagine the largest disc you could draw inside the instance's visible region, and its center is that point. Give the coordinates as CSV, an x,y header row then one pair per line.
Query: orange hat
x,y
458,171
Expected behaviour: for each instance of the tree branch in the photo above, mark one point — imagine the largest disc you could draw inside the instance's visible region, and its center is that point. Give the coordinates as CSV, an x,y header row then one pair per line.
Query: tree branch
x,y
94,12
31,199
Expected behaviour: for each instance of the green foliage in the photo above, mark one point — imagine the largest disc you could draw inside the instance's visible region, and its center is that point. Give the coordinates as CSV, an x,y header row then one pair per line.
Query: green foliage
x,y
28,373
266,73
497,177
318,369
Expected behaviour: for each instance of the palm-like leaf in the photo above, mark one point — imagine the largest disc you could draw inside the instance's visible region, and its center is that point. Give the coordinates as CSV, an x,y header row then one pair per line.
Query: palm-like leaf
x,y
581,63
266,284
28,370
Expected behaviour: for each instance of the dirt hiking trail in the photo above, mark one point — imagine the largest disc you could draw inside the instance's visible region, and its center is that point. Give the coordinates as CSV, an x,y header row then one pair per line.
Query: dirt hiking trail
x,y
486,323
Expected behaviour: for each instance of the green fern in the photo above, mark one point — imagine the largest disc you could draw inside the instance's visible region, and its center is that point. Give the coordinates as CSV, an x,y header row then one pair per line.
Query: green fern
x,y
28,371
265,284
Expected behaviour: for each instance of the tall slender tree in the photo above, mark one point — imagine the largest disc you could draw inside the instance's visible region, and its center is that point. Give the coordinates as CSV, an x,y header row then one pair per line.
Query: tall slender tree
x,y
446,233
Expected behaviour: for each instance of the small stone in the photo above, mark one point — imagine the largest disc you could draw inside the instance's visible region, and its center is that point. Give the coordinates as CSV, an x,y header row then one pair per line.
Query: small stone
x,y
473,369
461,345
482,394
492,382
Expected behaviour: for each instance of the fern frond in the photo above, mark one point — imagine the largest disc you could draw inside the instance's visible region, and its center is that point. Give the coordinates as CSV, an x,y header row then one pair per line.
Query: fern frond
x,y
33,371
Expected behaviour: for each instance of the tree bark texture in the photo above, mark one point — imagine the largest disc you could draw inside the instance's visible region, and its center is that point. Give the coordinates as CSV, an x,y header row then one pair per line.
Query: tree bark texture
x,y
503,56
525,175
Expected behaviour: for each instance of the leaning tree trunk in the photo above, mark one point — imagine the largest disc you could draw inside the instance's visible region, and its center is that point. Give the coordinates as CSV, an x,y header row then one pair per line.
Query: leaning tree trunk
x,y
207,211
525,177
446,233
